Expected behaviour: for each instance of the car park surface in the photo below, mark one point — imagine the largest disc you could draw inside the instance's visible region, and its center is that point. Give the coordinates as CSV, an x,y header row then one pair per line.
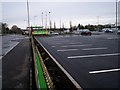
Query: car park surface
x,y
91,60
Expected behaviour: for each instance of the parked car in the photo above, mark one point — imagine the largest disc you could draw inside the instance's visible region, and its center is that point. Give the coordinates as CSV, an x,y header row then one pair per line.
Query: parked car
x,y
86,32
54,33
118,32
109,31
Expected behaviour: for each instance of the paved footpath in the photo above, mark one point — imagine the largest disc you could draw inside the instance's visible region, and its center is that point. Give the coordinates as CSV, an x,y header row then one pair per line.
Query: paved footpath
x,y
16,67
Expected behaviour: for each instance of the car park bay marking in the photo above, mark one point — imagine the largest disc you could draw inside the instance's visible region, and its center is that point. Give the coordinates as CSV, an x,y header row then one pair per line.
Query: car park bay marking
x,y
67,43
1,57
94,48
88,56
53,46
74,45
63,50
104,71
77,45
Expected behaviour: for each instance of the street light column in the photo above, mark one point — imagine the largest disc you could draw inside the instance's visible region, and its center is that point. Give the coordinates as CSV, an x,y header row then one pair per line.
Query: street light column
x,y
28,16
116,13
42,19
49,21
46,21
98,17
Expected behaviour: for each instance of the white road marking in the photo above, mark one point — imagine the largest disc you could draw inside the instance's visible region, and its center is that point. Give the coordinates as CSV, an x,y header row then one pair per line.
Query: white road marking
x,y
113,38
67,43
53,46
77,45
67,50
9,50
94,48
12,48
110,38
104,71
1,57
73,45
101,55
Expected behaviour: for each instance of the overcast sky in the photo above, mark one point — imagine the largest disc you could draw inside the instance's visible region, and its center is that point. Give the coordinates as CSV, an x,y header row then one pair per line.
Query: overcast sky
x,y
15,13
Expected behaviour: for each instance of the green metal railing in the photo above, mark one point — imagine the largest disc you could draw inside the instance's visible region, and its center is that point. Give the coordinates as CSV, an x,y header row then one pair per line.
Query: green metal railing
x,y
40,80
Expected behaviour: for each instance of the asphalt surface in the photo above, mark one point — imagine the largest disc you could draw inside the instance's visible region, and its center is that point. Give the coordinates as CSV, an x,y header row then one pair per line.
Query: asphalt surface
x,y
0,74
91,60
16,67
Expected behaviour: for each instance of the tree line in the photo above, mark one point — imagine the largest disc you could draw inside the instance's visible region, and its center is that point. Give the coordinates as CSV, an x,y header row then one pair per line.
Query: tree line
x,y
4,29
92,27
16,30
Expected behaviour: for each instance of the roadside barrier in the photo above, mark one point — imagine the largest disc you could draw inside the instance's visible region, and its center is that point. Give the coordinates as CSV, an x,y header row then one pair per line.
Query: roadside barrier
x,y
39,68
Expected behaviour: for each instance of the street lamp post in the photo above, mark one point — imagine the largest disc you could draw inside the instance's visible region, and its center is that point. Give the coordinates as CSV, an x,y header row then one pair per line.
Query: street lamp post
x,y
49,21
28,16
60,24
116,13
46,20
25,23
35,20
42,19
98,17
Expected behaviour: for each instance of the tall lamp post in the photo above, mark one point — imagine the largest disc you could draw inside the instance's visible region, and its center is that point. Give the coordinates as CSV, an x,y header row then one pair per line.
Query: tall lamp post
x,y
42,18
60,24
98,17
35,20
28,16
116,14
25,23
46,20
49,21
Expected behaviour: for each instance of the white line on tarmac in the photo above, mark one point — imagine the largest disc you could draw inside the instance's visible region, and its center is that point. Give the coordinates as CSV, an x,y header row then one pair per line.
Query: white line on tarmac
x,y
12,48
1,57
53,46
104,71
66,43
67,50
73,45
9,50
77,45
110,38
101,55
94,48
